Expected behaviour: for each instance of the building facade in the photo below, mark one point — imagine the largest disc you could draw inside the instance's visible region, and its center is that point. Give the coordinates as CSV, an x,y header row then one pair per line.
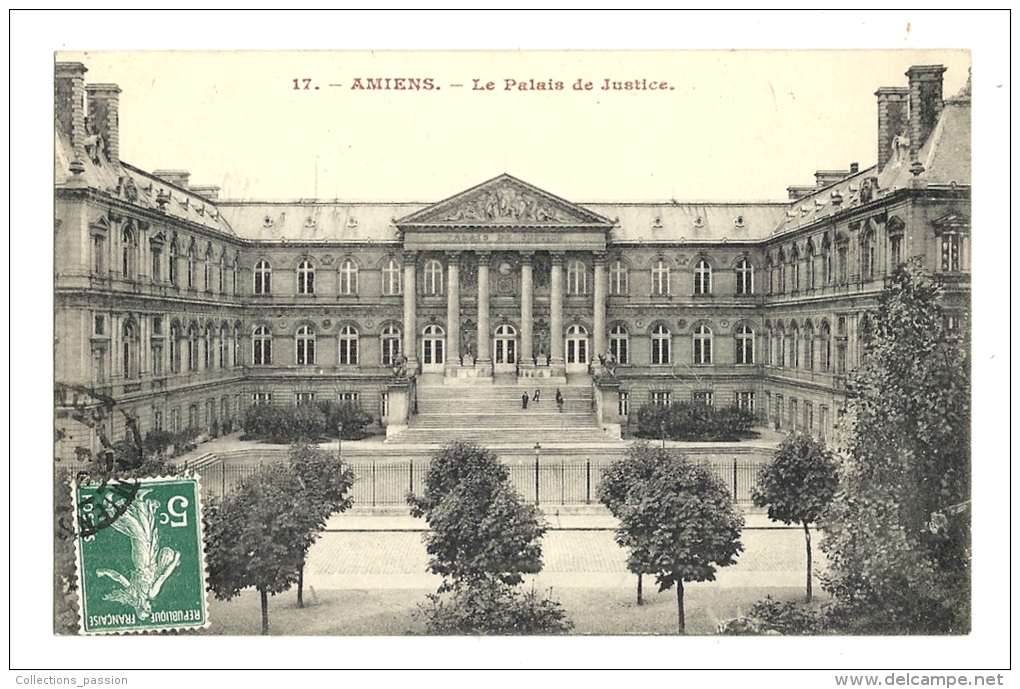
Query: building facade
x,y
185,308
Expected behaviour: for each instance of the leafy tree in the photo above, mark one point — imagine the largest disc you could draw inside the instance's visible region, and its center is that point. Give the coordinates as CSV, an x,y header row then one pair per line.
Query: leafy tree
x,y
897,532
613,489
681,521
480,529
258,536
326,483
797,485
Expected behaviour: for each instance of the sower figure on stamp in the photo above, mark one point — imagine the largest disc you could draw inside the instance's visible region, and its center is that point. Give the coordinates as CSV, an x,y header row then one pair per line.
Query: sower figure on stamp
x,y
524,400
559,400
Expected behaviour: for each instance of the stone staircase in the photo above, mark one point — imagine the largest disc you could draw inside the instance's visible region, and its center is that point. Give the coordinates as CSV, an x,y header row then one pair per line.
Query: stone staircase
x,y
492,414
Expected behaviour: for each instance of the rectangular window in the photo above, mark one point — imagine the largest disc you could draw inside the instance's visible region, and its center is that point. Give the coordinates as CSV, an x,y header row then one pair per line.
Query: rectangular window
x,y
823,420
305,397
349,396
99,364
793,415
261,398
703,397
618,348
895,251
809,418
99,325
951,253
98,254
157,265
348,352
623,403
175,420
157,420
745,401
661,398
660,350
384,404
157,359
779,412
305,352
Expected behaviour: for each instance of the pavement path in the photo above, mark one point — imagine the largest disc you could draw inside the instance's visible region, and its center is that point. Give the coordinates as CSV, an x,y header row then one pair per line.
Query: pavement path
x,y
359,553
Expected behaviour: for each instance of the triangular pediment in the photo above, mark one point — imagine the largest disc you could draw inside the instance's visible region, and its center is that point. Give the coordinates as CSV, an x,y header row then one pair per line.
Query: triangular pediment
x,y
953,220
504,201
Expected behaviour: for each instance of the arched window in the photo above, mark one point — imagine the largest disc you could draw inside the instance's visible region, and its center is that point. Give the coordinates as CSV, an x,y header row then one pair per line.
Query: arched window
x,y
262,346
193,347
221,346
127,252
176,338
238,356
233,277
390,345
618,278
305,345
744,337
207,270
780,358
768,344
348,346
577,345
391,277
433,277
129,349
660,277
577,278
433,343
175,263
348,277
745,277
825,342
809,346
306,278
794,346
781,284
795,268
702,277
868,255
619,340
702,345
263,278
827,273
660,344
191,266
207,335
221,269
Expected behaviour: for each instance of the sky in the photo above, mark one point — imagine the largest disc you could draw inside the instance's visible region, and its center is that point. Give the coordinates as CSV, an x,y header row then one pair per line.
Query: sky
x,y
721,125
738,125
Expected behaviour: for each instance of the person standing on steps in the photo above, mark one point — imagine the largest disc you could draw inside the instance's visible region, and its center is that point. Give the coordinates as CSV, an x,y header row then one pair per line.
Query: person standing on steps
x,y
559,400
538,393
524,400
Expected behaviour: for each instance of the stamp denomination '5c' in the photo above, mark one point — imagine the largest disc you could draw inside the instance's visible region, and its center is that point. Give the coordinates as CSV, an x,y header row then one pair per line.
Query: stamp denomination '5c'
x,y
140,555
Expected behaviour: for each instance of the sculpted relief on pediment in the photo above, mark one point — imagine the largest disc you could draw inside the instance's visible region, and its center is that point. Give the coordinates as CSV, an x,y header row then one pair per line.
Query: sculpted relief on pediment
x,y
505,204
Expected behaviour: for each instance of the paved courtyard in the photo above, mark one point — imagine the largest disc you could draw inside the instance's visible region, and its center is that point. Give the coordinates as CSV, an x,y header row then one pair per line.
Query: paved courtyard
x,y
573,558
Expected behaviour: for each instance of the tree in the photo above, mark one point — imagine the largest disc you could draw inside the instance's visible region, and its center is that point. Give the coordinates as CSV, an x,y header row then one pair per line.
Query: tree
x,y
681,521
483,539
897,532
797,485
326,483
617,480
258,536
480,529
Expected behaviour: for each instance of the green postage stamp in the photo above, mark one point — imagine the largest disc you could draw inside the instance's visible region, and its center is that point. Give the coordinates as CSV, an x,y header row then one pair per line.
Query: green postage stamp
x,y
140,555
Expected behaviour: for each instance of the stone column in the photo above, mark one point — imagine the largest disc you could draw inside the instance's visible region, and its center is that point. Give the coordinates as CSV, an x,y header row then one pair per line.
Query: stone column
x,y
599,314
410,311
527,312
484,360
452,310
556,312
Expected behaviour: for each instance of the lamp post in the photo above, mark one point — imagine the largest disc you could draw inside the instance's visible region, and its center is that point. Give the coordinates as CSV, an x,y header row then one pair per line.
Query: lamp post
x,y
662,433
538,450
339,441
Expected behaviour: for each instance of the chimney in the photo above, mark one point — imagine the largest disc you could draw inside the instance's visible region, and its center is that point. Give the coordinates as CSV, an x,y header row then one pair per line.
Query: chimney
x,y
824,178
855,168
69,105
797,191
104,107
176,177
925,84
207,191
892,120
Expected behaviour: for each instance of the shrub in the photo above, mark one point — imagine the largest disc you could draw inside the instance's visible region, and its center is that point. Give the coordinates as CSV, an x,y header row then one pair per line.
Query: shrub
x,y
690,421
787,618
490,607
304,423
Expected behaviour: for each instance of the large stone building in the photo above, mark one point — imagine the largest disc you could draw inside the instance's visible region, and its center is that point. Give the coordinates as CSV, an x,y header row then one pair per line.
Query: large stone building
x,y
185,307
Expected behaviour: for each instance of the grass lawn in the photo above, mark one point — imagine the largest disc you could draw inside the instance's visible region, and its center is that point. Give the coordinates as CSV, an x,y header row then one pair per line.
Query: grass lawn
x,y
389,612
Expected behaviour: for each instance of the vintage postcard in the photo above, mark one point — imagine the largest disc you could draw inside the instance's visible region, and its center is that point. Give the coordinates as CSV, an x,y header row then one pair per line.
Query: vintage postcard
x,y
589,343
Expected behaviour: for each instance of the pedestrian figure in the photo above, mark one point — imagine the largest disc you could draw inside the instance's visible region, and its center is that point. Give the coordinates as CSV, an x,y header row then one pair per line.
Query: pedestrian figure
x,y
538,393
524,401
559,399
